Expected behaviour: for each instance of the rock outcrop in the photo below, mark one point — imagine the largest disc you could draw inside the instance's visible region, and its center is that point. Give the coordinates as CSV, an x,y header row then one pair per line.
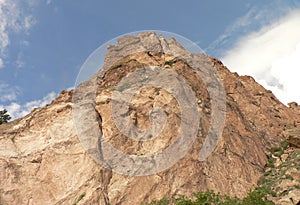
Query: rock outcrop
x,y
282,175
44,161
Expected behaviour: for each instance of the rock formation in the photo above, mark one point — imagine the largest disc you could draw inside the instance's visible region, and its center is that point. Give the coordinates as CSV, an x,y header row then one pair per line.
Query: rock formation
x,y
283,175
44,161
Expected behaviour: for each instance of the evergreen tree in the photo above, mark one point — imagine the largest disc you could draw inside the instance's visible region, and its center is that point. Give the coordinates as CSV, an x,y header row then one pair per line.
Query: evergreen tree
x,y
4,116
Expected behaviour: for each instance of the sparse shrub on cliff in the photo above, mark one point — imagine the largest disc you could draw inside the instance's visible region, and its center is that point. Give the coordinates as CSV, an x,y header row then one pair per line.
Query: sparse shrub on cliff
x,y
4,116
270,186
256,197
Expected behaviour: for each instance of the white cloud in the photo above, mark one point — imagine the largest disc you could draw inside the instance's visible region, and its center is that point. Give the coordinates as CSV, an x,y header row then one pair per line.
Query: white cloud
x,y
287,70
238,24
5,9
25,43
13,18
271,56
1,63
29,21
48,2
257,17
8,93
17,110
20,63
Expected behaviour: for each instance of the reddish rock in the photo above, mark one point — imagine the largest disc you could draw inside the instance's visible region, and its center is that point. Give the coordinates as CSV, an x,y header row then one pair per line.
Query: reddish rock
x,y
43,162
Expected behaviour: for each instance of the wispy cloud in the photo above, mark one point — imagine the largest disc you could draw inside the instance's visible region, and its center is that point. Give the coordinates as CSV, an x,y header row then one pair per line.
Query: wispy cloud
x,y
17,110
256,18
20,63
48,2
1,63
271,56
29,21
8,93
13,19
5,10
238,24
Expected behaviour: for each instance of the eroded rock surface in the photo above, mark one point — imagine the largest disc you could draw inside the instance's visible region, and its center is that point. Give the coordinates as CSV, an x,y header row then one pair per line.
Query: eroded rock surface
x,y
42,160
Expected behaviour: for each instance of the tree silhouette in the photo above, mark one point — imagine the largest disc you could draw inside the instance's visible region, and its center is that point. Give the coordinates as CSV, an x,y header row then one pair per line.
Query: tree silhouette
x,y
4,117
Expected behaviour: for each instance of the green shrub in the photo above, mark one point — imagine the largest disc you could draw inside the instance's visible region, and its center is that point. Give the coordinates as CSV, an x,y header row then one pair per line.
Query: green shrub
x,y
275,149
160,202
271,162
289,177
279,153
170,62
284,144
256,197
268,173
183,201
79,198
259,196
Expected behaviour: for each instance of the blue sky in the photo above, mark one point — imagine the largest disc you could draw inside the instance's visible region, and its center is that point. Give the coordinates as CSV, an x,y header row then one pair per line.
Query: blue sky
x,y
43,43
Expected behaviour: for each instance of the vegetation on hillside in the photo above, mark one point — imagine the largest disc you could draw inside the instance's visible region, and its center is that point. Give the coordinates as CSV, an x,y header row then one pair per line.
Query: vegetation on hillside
x,y
281,161
256,197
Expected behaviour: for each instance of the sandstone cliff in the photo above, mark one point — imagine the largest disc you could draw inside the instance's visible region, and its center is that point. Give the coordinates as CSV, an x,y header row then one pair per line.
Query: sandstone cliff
x,y
43,159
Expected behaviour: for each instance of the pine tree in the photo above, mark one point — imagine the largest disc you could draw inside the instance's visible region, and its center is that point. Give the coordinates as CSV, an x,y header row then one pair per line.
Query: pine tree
x,y
4,116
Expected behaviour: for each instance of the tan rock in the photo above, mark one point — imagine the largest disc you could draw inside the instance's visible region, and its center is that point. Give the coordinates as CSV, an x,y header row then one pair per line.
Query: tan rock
x,y
295,173
292,198
294,139
42,160
284,157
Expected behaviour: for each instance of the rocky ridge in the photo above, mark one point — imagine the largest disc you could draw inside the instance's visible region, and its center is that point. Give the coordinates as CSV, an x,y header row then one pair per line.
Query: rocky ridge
x,y
42,160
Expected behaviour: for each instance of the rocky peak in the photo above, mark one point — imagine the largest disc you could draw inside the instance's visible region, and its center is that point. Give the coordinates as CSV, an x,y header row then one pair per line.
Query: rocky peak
x,y
46,158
